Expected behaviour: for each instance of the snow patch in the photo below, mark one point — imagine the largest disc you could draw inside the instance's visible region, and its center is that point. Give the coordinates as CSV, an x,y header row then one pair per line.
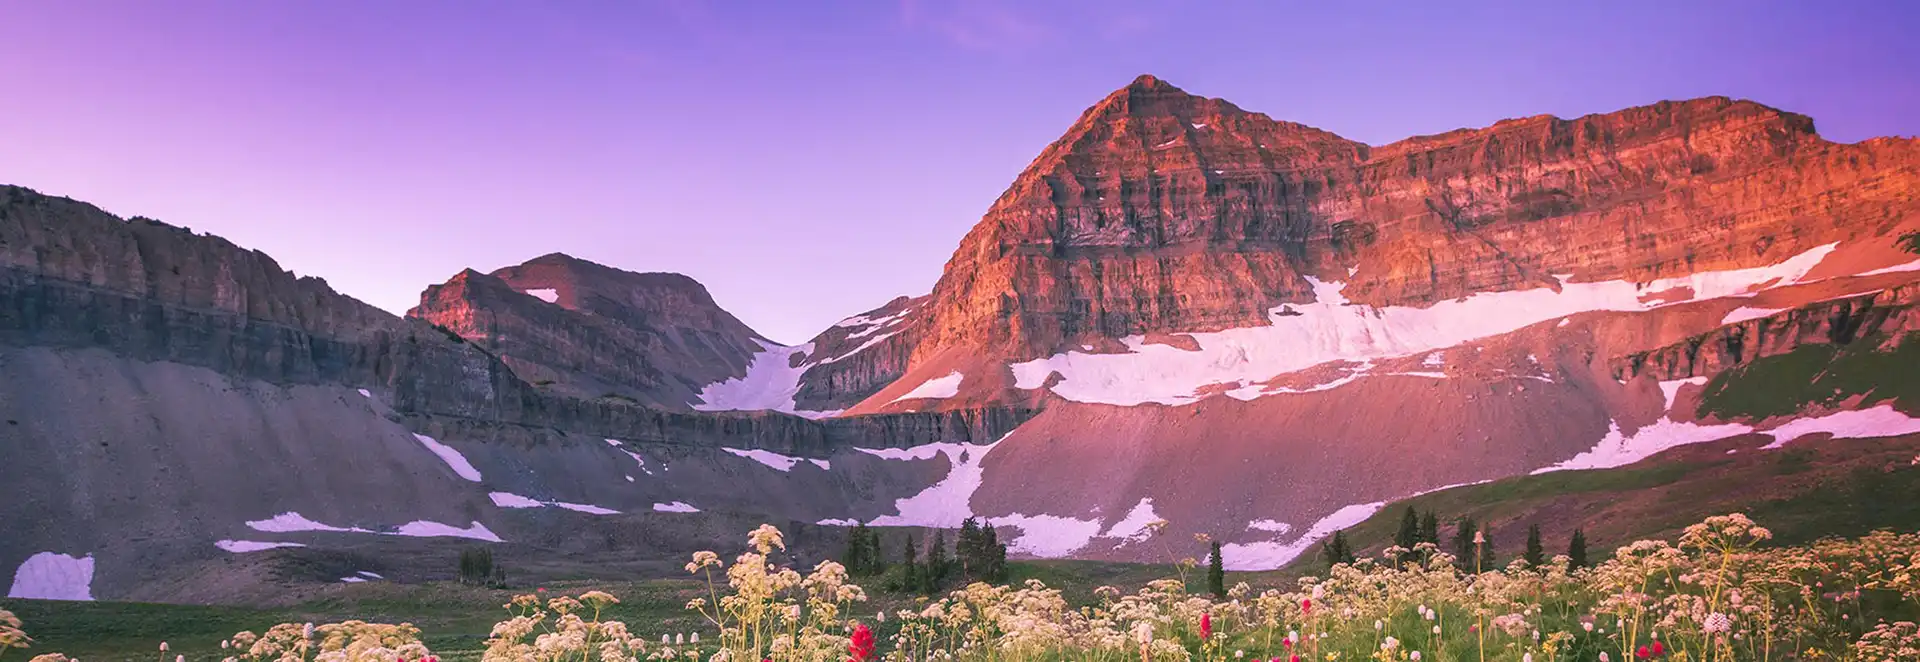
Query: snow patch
x,y
823,464
1274,526
428,529
452,457
1671,389
583,508
369,575
510,500
1048,536
1881,421
1329,330
636,457
770,384
1269,554
1910,266
352,580
52,576
938,387
1434,360
1134,526
290,521
244,546
365,393
775,460
546,294
838,522
675,507
944,504
1745,313
1620,449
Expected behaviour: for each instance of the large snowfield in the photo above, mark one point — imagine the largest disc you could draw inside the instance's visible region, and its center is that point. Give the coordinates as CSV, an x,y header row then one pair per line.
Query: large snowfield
x,y
1300,336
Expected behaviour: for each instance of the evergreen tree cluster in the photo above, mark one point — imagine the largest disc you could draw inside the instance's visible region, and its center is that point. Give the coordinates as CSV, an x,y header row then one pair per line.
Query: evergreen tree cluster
x,y
863,557
1337,550
978,555
1417,527
1470,554
476,567
983,558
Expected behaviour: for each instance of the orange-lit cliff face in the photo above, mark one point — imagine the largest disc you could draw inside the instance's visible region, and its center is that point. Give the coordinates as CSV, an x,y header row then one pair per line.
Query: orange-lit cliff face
x,y
1160,212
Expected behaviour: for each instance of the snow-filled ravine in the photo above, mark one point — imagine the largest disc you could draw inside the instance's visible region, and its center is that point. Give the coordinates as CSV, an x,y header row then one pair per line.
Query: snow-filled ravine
x,y
1300,336
770,384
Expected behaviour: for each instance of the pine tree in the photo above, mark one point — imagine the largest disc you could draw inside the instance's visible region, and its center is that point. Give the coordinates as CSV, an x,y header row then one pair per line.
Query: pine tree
x,y
1430,528
937,565
855,557
910,574
1463,550
1337,550
876,558
969,550
1409,533
996,554
1216,573
476,565
1577,549
1536,553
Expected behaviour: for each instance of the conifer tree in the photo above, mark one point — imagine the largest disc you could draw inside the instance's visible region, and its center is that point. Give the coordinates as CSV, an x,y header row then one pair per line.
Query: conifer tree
x,y
996,555
937,566
855,556
1409,533
1536,552
1336,550
1577,549
910,575
1216,573
968,549
1463,549
1430,528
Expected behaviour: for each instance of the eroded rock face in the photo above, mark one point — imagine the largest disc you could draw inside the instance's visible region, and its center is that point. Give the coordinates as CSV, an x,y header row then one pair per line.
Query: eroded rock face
x,y
1885,316
587,330
1160,211
73,277
860,355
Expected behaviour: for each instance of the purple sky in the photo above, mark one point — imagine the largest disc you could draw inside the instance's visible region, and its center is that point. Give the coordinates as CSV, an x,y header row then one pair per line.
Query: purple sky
x,y
806,161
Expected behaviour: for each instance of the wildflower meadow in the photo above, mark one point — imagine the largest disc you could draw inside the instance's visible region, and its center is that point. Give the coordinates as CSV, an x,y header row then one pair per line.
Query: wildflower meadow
x,y
1719,593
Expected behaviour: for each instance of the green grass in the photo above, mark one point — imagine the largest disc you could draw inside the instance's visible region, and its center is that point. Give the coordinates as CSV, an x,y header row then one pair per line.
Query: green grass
x,y
456,618
1816,375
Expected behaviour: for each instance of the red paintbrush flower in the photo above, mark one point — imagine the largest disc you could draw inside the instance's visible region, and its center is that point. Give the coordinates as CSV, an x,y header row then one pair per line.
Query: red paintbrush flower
x,y
1206,626
862,647
1306,606
1658,649
1642,653
1295,658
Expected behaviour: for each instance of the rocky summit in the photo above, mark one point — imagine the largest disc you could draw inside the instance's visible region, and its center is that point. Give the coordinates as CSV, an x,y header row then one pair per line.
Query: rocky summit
x,y
1176,292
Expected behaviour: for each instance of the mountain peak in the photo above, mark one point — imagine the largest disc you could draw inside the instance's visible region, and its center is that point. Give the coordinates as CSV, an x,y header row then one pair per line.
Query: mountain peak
x,y
1148,82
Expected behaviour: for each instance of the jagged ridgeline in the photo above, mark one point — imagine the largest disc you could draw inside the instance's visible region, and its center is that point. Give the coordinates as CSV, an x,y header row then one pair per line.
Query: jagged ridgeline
x,y
1181,318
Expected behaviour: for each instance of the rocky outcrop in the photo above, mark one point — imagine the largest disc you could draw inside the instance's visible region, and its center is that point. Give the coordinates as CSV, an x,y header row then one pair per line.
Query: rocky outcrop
x,y
75,277
1160,211
587,330
1885,315
859,355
